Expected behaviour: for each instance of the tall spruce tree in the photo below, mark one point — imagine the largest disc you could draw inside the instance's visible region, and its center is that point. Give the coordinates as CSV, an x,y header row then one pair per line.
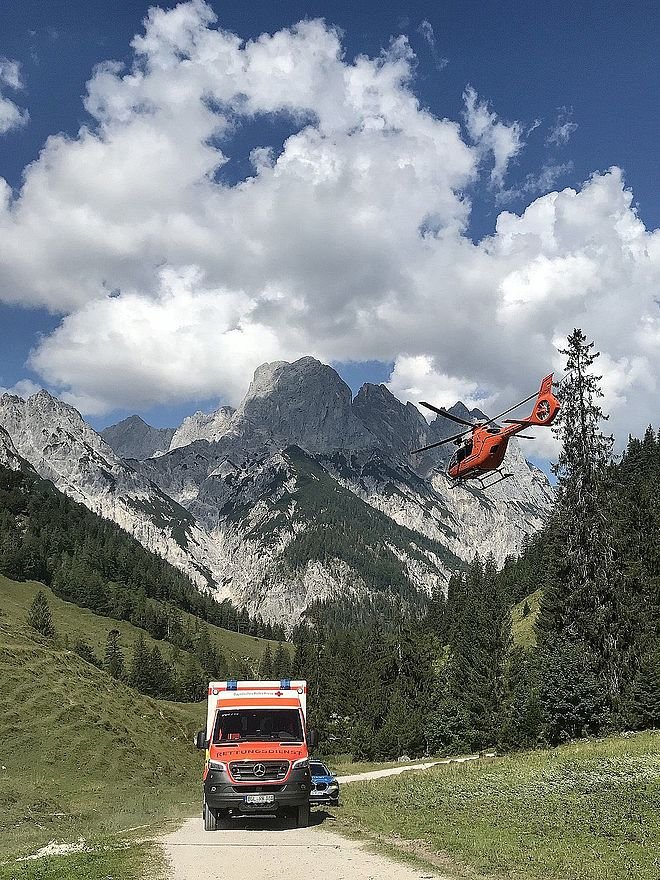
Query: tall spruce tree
x,y
266,665
114,656
84,649
40,618
585,601
281,662
471,691
139,675
645,697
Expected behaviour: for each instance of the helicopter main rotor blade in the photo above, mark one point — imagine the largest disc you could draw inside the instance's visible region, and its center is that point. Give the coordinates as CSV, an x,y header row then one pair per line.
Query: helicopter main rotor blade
x,y
440,442
447,415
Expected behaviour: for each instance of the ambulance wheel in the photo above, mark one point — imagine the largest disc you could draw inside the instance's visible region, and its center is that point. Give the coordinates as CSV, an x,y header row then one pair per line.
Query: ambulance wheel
x,y
303,816
210,819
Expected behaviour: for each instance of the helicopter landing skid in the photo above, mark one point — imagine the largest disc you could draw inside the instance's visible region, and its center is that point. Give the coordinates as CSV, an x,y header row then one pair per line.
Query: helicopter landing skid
x,y
482,480
501,477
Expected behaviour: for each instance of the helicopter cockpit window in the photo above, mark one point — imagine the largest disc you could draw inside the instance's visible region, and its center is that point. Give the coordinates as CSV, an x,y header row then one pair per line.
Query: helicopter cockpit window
x,y
463,451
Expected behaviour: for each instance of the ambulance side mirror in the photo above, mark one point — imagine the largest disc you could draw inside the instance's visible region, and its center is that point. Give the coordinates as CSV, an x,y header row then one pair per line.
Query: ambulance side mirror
x,y
312,738
200,739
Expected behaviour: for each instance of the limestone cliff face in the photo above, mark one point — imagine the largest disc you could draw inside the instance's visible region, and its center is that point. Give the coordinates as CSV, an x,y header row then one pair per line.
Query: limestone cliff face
x,y
398,428
299,494
9,457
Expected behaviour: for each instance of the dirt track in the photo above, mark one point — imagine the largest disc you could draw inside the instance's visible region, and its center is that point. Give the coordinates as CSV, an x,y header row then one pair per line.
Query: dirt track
x,y
267,849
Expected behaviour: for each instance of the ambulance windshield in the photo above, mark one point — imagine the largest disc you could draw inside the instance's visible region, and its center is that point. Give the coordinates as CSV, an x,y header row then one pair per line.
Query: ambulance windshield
x,y
241,725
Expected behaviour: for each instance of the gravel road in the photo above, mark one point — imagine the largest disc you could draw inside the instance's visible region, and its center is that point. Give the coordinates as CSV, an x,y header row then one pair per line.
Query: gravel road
x,y
268,849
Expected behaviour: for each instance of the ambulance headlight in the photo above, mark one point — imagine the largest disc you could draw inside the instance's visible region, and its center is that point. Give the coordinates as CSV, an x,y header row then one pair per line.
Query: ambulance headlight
x,y
217,765
300,764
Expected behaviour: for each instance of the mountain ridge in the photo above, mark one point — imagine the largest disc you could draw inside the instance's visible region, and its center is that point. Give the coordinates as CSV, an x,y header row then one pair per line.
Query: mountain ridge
x,y
232,506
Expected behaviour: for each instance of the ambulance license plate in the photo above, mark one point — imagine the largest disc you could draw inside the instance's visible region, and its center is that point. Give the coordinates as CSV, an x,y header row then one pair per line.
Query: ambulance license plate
x,y
259,798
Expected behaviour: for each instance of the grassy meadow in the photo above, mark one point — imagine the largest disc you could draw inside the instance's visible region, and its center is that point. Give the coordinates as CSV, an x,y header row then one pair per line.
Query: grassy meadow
x,y
585,811
73,622
82,755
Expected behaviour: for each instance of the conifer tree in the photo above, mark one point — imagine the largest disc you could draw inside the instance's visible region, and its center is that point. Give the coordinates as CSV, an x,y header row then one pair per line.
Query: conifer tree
x,y
39,616
470,699
585,601
266,665
521,717
139,675
114,656
193,682
281,662
645,696
160,675
243,623
85,650
573,699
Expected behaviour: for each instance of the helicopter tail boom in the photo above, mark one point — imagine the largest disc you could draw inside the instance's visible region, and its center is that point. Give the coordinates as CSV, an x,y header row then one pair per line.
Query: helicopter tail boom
x,y
546,407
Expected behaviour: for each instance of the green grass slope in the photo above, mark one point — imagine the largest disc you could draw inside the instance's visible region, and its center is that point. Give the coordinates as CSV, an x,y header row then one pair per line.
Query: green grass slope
x,y
589,810
522,629
75,622
81,755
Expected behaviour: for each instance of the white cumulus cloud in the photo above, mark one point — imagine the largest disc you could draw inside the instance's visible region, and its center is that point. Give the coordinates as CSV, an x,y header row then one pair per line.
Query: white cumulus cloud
x,y
416,378
348,241
23,388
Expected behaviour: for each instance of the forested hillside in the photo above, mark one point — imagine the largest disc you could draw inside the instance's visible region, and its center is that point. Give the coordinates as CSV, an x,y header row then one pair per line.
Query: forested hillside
x,y
90,562
457,679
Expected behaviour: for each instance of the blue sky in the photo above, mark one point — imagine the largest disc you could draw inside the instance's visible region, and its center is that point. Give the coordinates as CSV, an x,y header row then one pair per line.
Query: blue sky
x,y
591,67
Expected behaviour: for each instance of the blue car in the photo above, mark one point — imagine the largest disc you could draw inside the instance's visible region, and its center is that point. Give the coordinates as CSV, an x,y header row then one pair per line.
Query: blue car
x,y
325,788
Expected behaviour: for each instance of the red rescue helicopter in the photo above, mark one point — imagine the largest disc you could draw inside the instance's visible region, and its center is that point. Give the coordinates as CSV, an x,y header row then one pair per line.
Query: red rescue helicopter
x,y
483,452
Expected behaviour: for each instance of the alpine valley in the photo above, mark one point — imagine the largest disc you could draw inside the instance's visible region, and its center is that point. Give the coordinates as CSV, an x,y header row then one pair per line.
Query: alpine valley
x,y
300,494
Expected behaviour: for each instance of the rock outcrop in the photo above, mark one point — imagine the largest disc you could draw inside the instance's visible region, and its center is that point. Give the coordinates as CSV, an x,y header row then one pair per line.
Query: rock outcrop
x,y
203,426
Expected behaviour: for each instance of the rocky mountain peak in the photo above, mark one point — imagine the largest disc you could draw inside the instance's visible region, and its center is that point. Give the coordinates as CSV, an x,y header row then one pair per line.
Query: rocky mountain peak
x,y
305,374
134,438
245,508
398,427
203,426
40,411
460,409
305,403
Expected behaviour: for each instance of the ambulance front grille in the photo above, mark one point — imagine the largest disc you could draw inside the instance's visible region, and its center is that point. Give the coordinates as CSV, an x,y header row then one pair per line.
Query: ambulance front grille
x,y
258,771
